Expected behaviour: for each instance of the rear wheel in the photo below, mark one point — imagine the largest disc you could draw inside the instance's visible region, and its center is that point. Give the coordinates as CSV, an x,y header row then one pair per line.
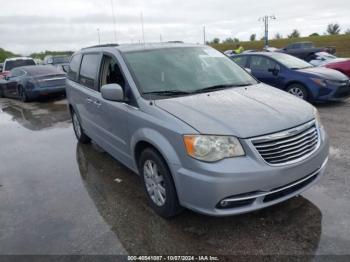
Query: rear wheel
x,y
298,90
158,184
78,130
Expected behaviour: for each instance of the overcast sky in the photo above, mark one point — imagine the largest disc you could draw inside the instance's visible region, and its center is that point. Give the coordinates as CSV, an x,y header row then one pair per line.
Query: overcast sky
x,y
35,25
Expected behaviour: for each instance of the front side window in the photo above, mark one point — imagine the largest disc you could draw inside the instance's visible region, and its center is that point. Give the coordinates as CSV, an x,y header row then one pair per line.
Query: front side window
x,y
88,70
184,69
261,63
111,73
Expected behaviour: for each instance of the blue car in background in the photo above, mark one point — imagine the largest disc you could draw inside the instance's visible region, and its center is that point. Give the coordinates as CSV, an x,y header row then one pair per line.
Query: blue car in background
x,y
30,82
296,76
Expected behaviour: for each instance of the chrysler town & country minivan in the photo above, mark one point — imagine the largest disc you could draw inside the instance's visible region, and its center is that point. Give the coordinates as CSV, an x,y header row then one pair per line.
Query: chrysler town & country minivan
x,y
201,132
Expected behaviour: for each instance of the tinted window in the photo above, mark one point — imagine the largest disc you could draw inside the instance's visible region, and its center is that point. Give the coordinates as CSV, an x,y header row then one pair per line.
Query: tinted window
x,y
17,63
74,68
261,63
241,60
88,70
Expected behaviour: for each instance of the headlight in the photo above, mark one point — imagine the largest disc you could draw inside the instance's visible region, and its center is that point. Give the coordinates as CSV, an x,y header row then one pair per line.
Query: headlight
x,y
320,82
212,148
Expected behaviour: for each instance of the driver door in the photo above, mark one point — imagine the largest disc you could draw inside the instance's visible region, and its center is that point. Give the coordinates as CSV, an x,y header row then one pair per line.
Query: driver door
x,y
265,70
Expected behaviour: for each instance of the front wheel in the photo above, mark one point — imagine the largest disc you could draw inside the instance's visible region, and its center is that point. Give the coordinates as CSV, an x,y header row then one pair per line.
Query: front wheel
x,y
298,90
158,184
78,130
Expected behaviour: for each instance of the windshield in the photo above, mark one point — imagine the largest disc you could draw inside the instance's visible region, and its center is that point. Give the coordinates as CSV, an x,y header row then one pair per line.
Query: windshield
x,y
17,63
184,69
291,62
60,59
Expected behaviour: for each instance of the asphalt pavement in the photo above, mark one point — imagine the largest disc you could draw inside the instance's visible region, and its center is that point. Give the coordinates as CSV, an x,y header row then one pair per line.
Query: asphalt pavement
x,y
61,197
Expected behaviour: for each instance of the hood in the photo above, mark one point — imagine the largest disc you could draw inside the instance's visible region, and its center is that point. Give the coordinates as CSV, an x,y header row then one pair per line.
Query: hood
x,y
243,112
324,73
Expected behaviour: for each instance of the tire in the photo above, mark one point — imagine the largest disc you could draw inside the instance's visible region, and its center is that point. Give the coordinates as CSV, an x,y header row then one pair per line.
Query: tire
x,y
298,90
159,185
78,130
1,93
22,94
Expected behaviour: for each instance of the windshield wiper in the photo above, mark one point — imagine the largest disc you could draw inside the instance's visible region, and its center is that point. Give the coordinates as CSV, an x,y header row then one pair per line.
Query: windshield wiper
x,y
166,92
219,87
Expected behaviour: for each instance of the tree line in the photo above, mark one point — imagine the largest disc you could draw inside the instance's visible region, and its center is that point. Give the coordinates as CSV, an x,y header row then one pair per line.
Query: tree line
x,y
332,29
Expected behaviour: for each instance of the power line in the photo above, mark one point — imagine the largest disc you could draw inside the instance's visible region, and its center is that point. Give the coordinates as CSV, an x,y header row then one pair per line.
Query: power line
x,y
266,19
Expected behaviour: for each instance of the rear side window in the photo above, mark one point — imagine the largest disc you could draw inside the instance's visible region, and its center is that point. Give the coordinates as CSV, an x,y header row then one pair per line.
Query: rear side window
x,y
88,70
241,60
74,68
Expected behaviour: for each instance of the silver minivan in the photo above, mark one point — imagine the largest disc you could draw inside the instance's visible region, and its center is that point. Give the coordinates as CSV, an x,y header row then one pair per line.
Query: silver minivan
x,y
201,132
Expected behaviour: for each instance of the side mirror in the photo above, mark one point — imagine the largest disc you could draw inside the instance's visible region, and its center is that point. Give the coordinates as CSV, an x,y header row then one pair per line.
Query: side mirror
x,y
248,70
274,71
112,92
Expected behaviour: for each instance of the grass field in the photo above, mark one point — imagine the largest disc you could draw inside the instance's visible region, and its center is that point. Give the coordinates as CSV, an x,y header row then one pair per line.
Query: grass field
x,y
340,42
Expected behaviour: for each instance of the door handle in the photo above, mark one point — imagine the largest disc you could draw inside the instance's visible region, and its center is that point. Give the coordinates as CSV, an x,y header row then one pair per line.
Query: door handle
x,y
97,103
89,100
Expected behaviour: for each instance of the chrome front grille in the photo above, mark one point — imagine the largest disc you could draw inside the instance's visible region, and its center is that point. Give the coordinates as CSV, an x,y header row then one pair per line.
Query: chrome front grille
x,y
288,146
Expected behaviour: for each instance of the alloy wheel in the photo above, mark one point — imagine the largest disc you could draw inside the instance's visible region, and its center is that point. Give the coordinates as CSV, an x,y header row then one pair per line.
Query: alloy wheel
x,y
297,92
154,183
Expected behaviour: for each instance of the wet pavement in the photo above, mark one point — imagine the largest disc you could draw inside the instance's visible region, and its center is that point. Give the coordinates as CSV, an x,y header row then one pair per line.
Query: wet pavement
x,y
60,197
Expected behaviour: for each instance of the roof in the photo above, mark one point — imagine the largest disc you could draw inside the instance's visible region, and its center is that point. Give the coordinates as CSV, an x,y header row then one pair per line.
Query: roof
x,y
141,46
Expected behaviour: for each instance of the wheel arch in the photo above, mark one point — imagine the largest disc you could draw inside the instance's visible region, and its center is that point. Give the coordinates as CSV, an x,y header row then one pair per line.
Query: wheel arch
x,y
146,138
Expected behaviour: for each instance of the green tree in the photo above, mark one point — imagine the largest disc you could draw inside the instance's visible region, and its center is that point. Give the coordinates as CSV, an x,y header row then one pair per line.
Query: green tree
x,y
278,36
252,37
228,40
215,41
236,40
333,29
295,34
314,34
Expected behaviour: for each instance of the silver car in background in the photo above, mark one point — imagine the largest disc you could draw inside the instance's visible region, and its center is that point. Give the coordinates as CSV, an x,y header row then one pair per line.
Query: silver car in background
x,y
200,131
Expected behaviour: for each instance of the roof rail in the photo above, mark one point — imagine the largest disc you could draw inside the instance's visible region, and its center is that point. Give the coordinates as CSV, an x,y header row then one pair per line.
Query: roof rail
x,y
104,45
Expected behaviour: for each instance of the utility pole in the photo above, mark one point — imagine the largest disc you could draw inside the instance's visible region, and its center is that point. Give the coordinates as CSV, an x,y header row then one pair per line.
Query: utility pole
x,y
99,37
265,19
204,41
114,23
143,32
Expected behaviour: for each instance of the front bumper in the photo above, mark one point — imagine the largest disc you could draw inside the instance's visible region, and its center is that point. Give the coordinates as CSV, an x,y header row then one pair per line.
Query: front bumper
x,y
249,179
333,93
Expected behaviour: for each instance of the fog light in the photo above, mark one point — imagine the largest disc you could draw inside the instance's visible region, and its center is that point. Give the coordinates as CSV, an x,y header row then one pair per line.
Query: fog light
x,y
224,203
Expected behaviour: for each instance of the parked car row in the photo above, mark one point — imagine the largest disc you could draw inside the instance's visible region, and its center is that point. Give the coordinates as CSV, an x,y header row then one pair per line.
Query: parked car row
x,y
21,78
